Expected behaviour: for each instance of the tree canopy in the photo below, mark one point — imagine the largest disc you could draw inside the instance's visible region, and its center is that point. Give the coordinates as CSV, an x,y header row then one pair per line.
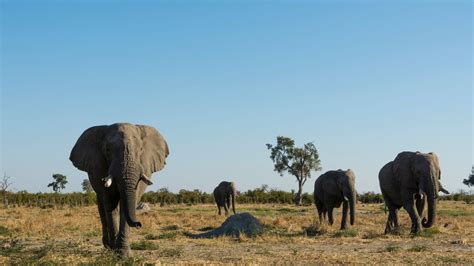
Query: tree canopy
x,y
296,161
59,182
86,186
470,180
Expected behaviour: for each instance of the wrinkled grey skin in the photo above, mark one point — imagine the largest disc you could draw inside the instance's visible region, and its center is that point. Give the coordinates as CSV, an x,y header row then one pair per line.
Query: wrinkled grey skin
x,y
223,194
408,181
333,188
129,155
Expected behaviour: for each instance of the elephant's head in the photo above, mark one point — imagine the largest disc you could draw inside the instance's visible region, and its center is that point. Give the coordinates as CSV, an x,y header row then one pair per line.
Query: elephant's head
x,y
346,184
420,171
121,155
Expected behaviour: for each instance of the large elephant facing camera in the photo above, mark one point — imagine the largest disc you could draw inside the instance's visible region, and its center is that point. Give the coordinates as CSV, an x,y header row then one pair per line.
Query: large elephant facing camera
x,y
119,160
333,188
408,181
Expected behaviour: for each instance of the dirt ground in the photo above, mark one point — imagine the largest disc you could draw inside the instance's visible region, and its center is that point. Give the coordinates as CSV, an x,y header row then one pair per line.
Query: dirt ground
x,y
73,235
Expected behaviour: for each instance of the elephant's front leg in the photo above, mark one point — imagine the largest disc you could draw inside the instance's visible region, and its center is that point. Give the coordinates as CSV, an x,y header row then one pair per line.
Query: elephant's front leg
x,y
122,243
345,208
103,220
330,216
112,219
226,210
109,223
409,205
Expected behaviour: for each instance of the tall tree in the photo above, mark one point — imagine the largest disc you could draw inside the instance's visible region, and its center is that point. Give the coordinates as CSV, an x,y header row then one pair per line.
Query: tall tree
x,y
4,185
86,186
299,162
470,180
59,182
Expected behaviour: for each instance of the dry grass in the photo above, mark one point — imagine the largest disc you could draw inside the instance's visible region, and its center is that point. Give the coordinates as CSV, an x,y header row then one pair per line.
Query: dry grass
x,y
291,235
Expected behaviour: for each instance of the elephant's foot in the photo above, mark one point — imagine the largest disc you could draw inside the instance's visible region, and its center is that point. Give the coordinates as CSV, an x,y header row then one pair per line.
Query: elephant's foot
x,y
393,229
415,229
343,227
124,252
107,243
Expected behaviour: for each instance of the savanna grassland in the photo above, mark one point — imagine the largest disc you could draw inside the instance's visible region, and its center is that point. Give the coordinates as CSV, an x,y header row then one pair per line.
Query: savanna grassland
x,y
73,235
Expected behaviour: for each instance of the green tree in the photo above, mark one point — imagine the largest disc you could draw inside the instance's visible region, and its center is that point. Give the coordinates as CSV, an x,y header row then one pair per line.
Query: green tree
x,y
59,182
470,180
86,186
299,162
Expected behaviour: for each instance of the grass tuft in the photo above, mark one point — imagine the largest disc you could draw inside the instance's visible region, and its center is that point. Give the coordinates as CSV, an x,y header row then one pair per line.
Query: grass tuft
x,y
430,232
151,237
144,245
170,235
4,231
346,233
315,230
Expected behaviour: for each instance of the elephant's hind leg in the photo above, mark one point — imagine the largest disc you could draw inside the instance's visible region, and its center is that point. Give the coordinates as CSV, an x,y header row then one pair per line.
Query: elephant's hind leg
x,y
409,205
392,221
320,209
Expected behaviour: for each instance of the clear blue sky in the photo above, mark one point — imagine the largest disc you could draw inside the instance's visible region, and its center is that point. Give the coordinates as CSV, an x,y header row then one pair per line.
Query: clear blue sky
x,y
363,80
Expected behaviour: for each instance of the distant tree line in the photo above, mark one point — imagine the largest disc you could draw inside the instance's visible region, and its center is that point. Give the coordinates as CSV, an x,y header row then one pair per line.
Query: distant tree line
x,y
163,196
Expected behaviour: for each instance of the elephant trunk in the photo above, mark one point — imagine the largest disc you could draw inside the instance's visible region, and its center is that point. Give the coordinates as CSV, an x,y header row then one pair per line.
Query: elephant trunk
x,y
352,201
128,203
431,193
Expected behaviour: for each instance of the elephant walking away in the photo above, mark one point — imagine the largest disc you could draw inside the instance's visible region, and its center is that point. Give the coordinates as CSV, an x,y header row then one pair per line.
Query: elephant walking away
x,y
119,160
408,181
223,194
330,190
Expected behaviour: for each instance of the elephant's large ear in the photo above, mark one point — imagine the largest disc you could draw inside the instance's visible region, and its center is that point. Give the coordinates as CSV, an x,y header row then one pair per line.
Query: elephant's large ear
x,y
154,151
87,155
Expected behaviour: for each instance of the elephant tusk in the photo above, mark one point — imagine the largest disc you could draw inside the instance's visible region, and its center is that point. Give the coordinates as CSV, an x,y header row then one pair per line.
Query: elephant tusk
x,y
346,198
421,193
444,190
107,181
146,180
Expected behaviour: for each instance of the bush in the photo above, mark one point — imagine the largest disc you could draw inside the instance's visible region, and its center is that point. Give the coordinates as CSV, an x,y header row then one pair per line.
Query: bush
x,y
370,197
163,196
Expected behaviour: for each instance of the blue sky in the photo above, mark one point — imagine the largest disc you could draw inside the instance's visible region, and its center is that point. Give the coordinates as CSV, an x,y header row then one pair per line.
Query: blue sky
x,y
363,80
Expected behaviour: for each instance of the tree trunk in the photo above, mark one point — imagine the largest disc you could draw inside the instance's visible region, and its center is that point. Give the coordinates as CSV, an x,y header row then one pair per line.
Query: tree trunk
x,y
299,198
